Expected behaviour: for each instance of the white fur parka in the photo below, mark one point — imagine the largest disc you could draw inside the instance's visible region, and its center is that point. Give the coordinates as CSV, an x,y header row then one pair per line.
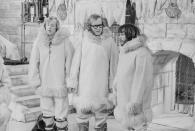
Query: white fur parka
x,y
133,84
50,64
93,70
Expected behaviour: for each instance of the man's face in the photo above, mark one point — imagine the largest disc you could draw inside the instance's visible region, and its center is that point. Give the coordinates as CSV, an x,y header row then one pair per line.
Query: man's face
x,y
122,37
97,26
51,27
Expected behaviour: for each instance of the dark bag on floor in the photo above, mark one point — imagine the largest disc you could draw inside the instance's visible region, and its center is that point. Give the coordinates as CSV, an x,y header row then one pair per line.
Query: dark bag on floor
x,y
40,124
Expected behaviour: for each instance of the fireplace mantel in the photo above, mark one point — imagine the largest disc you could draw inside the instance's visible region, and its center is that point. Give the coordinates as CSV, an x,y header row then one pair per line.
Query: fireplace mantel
x,y
183,46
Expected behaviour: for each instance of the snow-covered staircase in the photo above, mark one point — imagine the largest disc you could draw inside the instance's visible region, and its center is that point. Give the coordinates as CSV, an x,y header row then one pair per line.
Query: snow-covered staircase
x,y
26,94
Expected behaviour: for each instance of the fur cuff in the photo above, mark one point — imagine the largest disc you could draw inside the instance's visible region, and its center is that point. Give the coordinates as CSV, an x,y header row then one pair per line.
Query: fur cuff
x,y
134,108
84,104
71,83
148,115
134,121
112,98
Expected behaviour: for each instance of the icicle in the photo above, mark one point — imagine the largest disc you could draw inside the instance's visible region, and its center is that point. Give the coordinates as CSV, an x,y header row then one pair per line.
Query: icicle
x,y
151,8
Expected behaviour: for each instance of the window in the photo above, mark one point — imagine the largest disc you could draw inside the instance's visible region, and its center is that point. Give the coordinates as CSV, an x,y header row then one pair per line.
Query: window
x,y
34,10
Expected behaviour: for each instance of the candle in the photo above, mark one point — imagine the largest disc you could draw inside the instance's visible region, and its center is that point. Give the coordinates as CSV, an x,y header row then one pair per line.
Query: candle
x,y
44,10
32,13
32,10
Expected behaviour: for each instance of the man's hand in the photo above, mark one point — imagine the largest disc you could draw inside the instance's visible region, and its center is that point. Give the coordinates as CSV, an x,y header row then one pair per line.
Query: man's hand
x,y
72,90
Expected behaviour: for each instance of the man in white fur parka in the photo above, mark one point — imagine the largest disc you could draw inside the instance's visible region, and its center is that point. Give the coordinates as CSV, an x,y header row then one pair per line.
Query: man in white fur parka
x,y
92,72
133,83
49,68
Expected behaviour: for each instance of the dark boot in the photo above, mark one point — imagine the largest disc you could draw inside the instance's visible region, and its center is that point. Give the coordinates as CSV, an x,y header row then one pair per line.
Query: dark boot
x,y
103,128
40,124
83,126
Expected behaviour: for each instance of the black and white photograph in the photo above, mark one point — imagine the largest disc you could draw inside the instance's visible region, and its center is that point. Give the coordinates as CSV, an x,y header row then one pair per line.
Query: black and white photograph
x,y
97,65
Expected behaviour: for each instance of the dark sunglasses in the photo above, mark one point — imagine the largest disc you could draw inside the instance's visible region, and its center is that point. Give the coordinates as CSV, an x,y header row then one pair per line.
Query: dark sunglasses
x,y
97,26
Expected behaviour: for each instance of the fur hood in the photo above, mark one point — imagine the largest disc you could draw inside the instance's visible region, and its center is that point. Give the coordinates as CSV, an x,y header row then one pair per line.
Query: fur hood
x,y
134,44
59,36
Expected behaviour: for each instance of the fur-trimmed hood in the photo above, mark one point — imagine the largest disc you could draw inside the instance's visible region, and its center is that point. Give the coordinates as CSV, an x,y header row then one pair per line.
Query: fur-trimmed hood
x,y
134,44
59,36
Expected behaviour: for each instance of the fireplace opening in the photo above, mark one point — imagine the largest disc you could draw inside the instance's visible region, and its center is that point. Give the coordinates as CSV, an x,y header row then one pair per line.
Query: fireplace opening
x,y
174,77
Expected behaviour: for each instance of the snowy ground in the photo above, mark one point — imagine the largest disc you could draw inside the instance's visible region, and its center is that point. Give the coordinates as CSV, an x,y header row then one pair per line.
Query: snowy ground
x,y
166,122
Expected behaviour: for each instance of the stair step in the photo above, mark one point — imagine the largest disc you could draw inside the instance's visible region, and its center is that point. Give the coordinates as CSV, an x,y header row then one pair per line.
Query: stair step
x,y
23,90
29,101
17,69
32,114
19,80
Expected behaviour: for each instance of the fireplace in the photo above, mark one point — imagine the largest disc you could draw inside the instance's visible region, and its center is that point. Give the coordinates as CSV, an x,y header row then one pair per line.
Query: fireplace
x,y
173,84
185,77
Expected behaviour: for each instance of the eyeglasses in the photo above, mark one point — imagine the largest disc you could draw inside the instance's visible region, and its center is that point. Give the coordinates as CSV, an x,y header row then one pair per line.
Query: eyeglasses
x,y
100,26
